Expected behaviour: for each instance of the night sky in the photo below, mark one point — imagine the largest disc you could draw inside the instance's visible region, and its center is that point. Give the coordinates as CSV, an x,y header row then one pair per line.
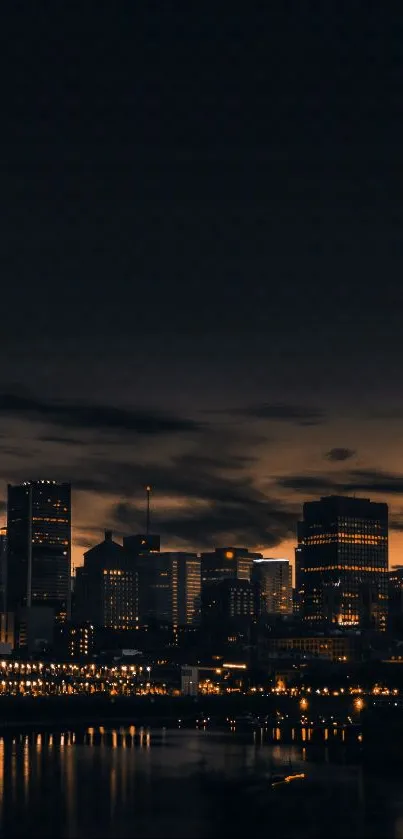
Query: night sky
x,y
202,263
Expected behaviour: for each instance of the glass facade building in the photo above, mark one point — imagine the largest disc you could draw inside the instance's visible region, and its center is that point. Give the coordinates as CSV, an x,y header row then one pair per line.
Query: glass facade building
x,y
189,587
274,580
228,602
39,546
342,570
169,587
396,598
227,564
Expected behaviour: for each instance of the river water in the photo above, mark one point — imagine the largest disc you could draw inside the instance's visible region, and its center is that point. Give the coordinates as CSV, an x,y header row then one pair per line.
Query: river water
x,y
165,784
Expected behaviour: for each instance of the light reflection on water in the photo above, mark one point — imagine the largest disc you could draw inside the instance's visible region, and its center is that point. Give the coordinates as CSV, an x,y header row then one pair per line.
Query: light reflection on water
x,y
126,782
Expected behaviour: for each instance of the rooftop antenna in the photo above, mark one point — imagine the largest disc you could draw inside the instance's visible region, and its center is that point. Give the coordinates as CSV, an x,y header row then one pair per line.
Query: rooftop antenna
x,y
148,491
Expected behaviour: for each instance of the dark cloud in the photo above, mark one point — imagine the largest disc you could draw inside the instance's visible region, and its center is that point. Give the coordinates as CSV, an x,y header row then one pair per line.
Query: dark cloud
x,y
339,454
93,417
375,480
241,521
193,472
86,536
223,463
306,483
215,455
63,441
173,479
396,521
387,413
218,499
353,481
20,452
282,412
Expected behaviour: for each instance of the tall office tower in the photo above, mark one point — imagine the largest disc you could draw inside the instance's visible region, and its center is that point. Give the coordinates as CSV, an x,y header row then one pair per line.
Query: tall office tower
x,y
228,602
169,587
227,564
6,618
343,545
106,588
3,570
273,578
188,587
39,547
395,599
299,577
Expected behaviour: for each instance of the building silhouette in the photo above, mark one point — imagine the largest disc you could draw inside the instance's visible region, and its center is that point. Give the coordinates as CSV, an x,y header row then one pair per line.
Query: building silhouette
x,y
342,569
273,578
298,591
38,557
169,587
227,564
395,592
6,620
106,587
228,604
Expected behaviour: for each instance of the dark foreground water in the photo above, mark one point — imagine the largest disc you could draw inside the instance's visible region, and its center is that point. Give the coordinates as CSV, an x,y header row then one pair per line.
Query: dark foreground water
x,y
186,784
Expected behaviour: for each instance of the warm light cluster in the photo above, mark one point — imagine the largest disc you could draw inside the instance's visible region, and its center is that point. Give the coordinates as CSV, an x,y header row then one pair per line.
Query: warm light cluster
x,y
53,679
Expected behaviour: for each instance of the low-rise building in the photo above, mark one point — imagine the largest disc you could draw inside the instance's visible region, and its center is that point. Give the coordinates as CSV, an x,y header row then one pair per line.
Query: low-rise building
x,y
336,648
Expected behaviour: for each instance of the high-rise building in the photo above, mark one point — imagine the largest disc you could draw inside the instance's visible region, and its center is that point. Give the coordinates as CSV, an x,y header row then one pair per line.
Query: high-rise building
x,y
395,592
6,618
227,602
3,570
169,587
343,568
39,547
274,580
298,566
189,589
227,564
106,589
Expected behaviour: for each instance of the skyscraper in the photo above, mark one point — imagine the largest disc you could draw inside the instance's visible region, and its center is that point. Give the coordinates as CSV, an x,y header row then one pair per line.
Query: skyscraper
x,y
39,546
395,598
6,618
343,562
169,587
227,564
106,589
274,580
187,570
3,570
227,603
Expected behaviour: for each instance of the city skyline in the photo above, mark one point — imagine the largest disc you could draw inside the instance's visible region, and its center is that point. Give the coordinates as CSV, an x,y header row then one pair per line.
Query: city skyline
x,y
139,519
203,298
